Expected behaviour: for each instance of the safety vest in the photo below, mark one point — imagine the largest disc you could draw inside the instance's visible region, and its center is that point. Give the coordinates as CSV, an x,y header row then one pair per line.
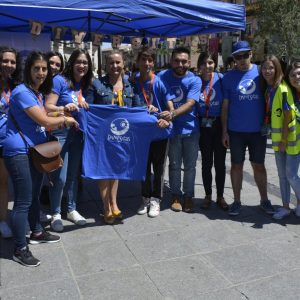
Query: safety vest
x,y
277,116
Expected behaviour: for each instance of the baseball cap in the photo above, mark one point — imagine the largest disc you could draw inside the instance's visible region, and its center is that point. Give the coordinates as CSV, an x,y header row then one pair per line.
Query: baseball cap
x,y
240,46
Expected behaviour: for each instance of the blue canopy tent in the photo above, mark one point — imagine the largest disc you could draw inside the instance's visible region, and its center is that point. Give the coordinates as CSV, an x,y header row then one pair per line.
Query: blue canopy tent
x,y
151,18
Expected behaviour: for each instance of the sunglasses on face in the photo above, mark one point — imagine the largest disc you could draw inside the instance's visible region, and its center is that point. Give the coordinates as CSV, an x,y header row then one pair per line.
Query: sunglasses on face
x,y
242,56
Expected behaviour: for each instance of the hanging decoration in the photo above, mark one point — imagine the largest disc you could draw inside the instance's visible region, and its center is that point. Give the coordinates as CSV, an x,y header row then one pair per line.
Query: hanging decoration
x,y
58,32
97,39
188,41
171,43
154,43
78,36
36,27
203,42
116,41
136,43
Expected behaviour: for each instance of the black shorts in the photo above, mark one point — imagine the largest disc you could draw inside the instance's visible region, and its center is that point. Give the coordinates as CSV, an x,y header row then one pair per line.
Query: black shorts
x,y
254,141
1,152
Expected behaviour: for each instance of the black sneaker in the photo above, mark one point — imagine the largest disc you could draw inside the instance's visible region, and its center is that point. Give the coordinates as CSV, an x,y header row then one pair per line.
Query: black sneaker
x,y
25,258
44,237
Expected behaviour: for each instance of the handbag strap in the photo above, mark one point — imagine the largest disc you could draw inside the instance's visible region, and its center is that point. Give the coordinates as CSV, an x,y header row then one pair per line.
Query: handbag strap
x,y
19,129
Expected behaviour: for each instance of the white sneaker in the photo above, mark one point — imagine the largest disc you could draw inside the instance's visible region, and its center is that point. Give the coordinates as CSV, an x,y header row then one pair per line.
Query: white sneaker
x,y
5,230
56,223
45,217
75,217
144,206
154,207
297,210
281,213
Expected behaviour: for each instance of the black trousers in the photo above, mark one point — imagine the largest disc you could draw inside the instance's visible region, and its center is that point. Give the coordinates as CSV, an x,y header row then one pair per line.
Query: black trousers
x,y
213,153
156,158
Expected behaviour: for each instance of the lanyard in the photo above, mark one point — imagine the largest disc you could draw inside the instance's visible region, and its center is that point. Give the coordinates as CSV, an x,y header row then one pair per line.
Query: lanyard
x,y
6,95
268,94
118,98
208,95
147,96
79,97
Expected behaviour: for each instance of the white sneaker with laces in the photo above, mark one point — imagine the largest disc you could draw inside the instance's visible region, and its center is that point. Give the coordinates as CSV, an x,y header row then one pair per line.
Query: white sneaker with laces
x,y
154,207
281,213
75,217
144,206
5,230
297,210
45,217
56,223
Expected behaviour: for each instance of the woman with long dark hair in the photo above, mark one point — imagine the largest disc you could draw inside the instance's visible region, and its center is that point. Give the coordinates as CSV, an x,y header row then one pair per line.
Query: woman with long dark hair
x,y
9,78
27,115
67,96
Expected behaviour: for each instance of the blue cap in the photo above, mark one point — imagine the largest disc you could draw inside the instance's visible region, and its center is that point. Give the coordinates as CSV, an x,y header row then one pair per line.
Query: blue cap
x,y
240,46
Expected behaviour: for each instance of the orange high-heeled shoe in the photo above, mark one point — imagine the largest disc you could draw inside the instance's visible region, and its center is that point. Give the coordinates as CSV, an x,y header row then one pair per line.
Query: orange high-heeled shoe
x,y
117,214
109,219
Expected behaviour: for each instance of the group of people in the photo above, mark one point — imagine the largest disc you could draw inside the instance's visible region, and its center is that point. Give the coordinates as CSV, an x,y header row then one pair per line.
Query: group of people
x,y
210,112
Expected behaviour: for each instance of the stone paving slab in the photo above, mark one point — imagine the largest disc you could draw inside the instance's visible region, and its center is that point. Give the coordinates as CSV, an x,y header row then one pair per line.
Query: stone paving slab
x,y
205,255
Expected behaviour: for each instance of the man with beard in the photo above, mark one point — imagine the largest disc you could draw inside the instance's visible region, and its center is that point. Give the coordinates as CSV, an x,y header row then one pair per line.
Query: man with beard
x,y
184,145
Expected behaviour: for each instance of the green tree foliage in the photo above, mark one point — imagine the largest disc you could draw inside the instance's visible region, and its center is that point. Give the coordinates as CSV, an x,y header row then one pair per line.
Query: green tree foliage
x,y
279,24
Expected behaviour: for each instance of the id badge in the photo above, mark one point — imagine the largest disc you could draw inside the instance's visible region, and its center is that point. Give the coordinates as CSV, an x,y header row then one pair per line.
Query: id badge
x,y
206,122
266,130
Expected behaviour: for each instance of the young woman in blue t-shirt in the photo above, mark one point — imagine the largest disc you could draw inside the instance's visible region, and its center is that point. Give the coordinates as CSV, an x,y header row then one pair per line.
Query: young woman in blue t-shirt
x,y
27,113
9,78
67,96
213,152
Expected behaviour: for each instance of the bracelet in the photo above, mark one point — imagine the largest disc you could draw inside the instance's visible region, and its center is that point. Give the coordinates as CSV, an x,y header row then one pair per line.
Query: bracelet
x,y
173,114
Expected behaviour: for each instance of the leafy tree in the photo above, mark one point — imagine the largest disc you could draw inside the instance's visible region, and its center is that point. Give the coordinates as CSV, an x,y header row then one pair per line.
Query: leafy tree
x,y
279,24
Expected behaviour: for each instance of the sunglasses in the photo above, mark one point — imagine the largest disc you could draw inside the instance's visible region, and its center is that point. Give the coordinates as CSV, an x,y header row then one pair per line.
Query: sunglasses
x,y
242,56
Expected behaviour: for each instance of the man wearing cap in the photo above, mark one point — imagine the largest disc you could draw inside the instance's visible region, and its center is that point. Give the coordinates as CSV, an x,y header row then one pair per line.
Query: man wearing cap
x,y
242,120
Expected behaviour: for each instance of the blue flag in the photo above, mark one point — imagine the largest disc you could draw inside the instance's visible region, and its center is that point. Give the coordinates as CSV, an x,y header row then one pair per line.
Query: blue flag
x,y
117,140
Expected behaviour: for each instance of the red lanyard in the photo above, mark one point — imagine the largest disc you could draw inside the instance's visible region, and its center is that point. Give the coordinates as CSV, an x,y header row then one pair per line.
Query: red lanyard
x,y
208,95
147,96
268,94
79,97
6,95
40,99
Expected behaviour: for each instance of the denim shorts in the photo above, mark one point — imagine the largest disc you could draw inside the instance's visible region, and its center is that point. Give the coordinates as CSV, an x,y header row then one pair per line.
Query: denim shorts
x,y
254,141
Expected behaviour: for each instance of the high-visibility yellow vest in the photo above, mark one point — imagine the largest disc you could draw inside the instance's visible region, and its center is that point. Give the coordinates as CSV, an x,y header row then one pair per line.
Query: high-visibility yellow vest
x,y
277,116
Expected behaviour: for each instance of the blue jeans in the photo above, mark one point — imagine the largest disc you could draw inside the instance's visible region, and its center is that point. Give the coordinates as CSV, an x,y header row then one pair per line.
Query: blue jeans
x,y
287,168
27,185
183,148
65,178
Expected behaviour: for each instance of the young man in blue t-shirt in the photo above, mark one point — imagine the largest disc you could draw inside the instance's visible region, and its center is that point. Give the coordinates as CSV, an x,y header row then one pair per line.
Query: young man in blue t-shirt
x,y
184,145
242,120
153,93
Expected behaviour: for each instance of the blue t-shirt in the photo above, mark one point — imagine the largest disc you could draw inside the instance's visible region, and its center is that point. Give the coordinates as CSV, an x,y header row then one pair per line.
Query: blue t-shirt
x,y
187,87
4,104
213,109
65,94
22,98
160,94
117,140
246,102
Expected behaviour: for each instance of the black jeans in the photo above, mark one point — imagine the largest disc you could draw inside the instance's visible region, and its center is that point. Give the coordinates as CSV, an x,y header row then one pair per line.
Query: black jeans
x,y
156,158
213,153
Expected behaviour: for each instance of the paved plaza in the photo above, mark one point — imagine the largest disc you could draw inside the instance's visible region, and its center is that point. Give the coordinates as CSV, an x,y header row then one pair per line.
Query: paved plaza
x,y
205,255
